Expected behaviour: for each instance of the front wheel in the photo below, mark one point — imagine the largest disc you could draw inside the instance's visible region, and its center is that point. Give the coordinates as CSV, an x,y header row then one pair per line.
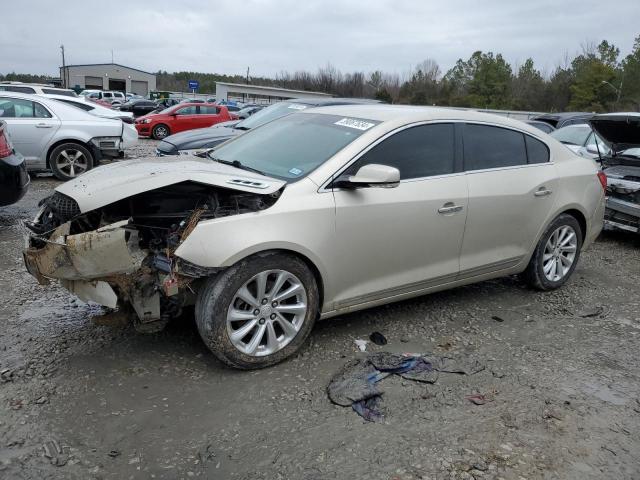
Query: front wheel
x,y
556,255
69,160
160,131
259,311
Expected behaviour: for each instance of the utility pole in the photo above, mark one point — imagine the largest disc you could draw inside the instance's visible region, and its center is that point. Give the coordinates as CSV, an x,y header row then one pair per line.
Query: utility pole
x,y
247,75
112,55
64,70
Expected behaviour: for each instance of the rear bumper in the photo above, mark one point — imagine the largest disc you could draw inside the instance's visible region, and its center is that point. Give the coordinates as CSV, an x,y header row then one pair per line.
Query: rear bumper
x,y
14,179
622,215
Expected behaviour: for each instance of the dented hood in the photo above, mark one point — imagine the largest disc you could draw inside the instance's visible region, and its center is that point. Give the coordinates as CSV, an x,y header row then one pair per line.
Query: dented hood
x,y
110,183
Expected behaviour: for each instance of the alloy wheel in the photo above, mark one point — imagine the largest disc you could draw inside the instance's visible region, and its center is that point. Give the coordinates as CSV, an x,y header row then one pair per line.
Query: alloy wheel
x,y
72,162
559,253
267,312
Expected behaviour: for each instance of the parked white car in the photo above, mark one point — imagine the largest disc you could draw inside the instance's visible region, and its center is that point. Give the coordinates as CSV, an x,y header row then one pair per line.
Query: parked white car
x,y
320,213
93,108
58,137
36,88
115,98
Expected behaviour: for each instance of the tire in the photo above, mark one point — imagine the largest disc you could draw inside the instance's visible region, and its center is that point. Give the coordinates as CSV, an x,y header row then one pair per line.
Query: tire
x,y
160,131
69,160
542,273
218,302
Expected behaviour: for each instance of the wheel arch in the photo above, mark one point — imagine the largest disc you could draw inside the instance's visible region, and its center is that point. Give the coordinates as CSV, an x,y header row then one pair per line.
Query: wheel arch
x,y
580,217
306,257
77,141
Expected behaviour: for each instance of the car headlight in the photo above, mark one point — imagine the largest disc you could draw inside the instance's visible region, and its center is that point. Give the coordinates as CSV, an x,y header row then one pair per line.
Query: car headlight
x,y
146,120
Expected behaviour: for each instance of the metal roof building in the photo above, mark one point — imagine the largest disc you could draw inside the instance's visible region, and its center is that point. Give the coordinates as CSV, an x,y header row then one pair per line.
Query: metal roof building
x,y
259,94
108,76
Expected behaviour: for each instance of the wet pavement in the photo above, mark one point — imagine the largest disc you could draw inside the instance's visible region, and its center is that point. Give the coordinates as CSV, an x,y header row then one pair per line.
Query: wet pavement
x,y
561,384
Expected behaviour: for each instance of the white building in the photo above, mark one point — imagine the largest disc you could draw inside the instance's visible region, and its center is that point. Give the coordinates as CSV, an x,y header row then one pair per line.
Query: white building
x,y
108,76
240,92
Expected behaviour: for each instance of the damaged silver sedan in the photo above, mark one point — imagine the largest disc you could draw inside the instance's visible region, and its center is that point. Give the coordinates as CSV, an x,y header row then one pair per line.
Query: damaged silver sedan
x,y
323,212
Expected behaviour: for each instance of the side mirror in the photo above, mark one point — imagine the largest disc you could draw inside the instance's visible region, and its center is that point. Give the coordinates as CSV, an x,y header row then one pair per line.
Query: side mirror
x,y
372,175
592,149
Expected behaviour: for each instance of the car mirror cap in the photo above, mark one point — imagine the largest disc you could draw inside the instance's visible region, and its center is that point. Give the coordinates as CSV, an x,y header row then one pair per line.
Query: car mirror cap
x,y
372,175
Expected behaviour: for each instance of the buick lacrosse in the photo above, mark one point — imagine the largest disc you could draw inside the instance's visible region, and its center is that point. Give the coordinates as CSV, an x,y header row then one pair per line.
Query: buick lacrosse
x,y
319,213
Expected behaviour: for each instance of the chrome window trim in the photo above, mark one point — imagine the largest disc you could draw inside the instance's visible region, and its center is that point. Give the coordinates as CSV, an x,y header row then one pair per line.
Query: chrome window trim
x,y
324,186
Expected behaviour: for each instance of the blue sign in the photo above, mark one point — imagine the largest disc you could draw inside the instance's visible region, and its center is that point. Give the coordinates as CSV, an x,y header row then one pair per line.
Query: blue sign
x,y
194,84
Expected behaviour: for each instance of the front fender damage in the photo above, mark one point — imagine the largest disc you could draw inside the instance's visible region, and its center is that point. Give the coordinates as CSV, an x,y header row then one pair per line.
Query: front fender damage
x,y
123,256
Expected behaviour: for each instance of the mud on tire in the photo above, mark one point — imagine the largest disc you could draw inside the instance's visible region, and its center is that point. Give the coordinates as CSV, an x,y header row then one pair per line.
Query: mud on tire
x,y
216,295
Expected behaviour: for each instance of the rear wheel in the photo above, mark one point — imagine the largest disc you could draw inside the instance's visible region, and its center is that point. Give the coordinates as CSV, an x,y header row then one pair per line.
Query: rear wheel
x,y
259,311
69,160
556,255
160,131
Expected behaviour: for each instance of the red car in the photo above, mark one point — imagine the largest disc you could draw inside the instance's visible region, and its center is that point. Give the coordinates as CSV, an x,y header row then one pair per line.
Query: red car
x,y
181,117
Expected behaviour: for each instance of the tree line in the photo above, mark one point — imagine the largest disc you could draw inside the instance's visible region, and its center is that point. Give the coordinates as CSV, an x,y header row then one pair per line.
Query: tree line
x,y
597,79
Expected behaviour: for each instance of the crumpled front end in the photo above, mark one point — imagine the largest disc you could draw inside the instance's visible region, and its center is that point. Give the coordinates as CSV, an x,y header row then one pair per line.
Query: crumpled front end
x,y
123,254
623,198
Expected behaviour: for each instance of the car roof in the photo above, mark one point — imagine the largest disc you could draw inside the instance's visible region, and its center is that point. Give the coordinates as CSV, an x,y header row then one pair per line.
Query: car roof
x,y
332,101
409,113
562,115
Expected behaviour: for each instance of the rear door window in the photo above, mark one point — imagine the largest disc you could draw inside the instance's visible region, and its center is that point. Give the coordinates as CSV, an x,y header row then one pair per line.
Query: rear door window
x,y
417,152
191,110
17,89
487,147
205,110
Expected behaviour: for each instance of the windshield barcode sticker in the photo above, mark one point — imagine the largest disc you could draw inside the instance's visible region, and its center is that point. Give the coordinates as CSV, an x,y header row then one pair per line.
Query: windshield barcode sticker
x,y
297,106
353,123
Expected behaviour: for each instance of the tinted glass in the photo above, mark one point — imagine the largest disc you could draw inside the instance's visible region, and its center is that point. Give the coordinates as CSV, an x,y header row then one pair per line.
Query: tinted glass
x,y
53,91
293,146
39,111
573,135
17,89
492,147
16,108
537,152
417,152
208,110
271,113
81,105
192,110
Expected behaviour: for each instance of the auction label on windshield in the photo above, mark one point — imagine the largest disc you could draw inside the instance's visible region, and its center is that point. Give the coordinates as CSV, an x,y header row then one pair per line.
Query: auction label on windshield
x,y
353,123
297,106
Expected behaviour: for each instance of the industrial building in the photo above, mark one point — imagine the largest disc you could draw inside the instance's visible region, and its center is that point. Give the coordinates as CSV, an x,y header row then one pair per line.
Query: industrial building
x,y
240,92
108,76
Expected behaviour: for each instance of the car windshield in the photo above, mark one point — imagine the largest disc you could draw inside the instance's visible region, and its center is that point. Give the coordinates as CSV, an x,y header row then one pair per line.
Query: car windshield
x,y
572,135
293,146
271,113
631,152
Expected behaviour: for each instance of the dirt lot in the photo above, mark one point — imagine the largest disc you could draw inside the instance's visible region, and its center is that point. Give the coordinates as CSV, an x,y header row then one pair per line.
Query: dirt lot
x,y
79,400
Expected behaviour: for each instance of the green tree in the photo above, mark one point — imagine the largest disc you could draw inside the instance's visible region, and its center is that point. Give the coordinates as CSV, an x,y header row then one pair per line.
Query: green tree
x,y
528,88
593,70
630,78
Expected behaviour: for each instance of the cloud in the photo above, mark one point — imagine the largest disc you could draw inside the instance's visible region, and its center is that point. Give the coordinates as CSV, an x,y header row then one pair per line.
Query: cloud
x,y
270,36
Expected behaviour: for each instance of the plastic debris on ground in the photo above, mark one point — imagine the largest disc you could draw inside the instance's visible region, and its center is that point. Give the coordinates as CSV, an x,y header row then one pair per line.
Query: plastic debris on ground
x,y
355,384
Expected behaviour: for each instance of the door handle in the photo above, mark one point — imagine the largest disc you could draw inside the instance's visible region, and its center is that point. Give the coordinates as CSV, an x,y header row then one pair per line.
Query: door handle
x,y
449,207
43,125
542,192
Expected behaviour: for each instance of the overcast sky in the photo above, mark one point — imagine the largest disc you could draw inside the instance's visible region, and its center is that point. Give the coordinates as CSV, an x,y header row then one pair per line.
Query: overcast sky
x,y
226,36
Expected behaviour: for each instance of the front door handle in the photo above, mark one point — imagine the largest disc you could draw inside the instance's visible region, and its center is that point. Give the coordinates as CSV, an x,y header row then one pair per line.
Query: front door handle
x,y
43,125
542,192
449,207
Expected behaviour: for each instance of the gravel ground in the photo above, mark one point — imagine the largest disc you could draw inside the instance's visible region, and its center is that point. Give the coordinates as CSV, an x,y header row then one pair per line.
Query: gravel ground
x,y
83,401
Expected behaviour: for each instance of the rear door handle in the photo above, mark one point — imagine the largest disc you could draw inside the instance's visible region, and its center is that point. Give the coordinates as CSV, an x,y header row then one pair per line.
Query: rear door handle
x,y
43,125
449,207
542,192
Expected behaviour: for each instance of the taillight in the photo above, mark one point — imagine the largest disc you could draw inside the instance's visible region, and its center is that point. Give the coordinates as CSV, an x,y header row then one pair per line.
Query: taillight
x,y
5,147
603,179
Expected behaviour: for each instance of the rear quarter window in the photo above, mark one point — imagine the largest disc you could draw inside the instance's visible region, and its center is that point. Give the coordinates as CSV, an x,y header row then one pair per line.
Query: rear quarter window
x,y
537,151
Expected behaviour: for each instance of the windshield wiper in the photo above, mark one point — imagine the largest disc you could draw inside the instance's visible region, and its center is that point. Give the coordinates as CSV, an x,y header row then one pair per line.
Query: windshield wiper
x,y
241,128
238,164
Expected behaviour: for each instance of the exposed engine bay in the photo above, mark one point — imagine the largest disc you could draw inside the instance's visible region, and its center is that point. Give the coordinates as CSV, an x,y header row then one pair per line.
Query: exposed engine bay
x,y
122,255
623,193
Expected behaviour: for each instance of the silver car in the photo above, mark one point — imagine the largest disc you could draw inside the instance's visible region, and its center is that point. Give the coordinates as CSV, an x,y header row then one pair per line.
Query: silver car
x,y
66,140
316,214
